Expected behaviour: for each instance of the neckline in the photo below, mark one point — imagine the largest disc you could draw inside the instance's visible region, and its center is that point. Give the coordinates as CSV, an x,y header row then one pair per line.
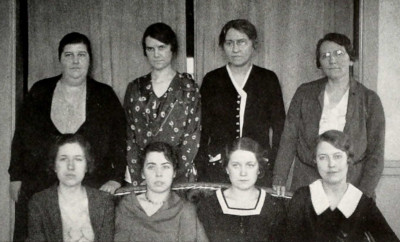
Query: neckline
x,y
226,209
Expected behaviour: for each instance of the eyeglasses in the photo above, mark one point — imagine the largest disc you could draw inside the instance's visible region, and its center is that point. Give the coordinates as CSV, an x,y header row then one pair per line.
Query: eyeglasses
x,y
336,54
239,43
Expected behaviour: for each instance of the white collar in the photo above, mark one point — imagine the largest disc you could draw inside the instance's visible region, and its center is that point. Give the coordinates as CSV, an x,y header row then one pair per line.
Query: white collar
x,y
238,88
241,211
347,204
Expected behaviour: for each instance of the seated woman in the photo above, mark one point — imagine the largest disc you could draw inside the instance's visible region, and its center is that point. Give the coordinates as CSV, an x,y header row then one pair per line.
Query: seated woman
x,y
243,212
331,209
70,211
158,214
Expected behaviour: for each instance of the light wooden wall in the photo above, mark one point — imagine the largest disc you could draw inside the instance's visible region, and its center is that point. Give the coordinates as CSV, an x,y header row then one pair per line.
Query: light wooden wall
x,y
7,110
288,32
115,29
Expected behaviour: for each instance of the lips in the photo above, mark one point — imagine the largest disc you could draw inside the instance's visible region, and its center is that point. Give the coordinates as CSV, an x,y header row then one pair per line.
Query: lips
x,y
158,183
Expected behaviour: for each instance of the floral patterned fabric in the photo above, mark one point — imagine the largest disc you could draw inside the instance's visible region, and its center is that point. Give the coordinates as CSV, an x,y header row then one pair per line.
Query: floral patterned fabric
x,y
173,118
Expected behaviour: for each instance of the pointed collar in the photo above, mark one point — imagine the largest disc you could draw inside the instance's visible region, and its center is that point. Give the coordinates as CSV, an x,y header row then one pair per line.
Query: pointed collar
x,y
241,211
347,204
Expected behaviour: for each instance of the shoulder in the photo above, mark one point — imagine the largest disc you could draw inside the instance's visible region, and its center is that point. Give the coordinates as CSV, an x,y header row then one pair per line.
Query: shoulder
x,y
104,196
217,72
44,85
263,71
187,82
371,95
311,88
300,196
99,86
43,196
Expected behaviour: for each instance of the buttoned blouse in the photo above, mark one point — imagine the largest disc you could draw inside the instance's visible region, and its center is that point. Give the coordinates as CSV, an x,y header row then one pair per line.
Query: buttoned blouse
x,y
242,97
173,118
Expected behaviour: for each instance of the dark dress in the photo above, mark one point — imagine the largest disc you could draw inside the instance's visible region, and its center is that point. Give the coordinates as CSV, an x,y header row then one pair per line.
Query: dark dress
x,y
104,128
264,110
45,222
305,225
266,222
173,118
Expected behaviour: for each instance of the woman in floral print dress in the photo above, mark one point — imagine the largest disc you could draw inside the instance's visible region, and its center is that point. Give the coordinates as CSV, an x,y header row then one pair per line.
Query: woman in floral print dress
x,y
162,106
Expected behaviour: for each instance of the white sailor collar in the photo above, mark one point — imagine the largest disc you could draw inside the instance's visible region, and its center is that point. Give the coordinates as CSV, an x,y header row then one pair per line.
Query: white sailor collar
x,y
347,204
241,211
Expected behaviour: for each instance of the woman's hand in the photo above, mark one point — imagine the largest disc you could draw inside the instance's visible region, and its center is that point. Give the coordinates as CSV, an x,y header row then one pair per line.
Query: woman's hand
x,y
280,190
110,186
15,188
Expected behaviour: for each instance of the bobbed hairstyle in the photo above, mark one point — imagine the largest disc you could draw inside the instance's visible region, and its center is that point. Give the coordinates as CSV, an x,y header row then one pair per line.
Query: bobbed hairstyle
x,y
339,140
241,25
75,38
339,39
161,147
247,144
163,33
71,139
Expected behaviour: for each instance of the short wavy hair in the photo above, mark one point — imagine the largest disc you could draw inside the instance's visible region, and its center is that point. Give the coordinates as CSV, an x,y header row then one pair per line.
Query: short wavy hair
x,y
339,39
242,25
250,145
70,139
169,153
75,38
163,33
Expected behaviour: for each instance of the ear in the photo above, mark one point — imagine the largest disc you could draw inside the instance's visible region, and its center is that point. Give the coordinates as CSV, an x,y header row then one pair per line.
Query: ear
x,y
143,176
174,174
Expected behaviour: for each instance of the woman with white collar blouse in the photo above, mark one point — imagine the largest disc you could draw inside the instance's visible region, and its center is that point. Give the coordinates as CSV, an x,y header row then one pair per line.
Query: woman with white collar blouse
x,y
331,209
243,212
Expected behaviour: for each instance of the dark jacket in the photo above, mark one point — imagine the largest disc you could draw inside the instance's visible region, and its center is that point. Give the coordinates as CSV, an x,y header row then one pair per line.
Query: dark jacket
x,y
45,215
220,117
365,125
104,128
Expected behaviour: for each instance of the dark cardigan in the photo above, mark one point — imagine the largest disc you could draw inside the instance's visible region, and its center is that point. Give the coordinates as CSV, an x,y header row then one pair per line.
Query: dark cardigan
x,y
104,128
305,225
365,125
45,215
220,117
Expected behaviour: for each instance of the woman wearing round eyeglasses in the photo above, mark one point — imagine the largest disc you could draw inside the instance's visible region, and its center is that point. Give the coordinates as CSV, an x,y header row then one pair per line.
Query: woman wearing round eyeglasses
x,y
337,102
238,100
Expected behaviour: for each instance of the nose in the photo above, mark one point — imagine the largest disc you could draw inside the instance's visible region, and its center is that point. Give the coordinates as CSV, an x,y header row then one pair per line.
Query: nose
x,y
71,165
243,171
332,59
156,52
158,172
75,59
235,47
331,162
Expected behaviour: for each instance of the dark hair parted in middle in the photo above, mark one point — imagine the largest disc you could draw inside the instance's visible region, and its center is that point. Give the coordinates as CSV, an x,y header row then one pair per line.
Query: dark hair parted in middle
x,y
163,33
339,140
250,145
241,25
71,139
339,39
75,38
166,149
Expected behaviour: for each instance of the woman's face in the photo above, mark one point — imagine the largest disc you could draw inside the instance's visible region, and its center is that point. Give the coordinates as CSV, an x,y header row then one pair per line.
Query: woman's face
x,y
335,62
71,164
243,169
332,163
238,48
158,53
158,172
75,61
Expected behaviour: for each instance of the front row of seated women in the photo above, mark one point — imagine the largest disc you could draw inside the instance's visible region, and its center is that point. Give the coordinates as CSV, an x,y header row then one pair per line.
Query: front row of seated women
x,y
329,209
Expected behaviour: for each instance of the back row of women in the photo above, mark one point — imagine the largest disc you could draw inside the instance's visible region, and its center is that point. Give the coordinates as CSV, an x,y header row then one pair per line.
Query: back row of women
x,y
238,100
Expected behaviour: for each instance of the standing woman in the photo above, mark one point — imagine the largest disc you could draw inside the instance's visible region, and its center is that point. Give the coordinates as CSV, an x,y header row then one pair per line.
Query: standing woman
x,y
243,212
69,103
331,208
162,106
238,100
337,102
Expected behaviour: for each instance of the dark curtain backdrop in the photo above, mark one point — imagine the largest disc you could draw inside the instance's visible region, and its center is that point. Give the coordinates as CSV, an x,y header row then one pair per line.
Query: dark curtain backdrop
x,y
115,28
288,31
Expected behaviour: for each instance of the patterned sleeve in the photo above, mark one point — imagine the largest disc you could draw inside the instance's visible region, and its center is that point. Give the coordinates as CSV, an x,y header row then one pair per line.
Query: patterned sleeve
x,y
132,148
191,138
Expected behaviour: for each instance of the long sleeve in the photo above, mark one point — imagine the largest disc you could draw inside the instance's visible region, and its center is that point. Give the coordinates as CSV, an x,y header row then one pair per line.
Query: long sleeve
x,y
35,223
287,146
295,219
277,117
107,230
191,228
374,158
132,148
117,150
190,140
377,225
